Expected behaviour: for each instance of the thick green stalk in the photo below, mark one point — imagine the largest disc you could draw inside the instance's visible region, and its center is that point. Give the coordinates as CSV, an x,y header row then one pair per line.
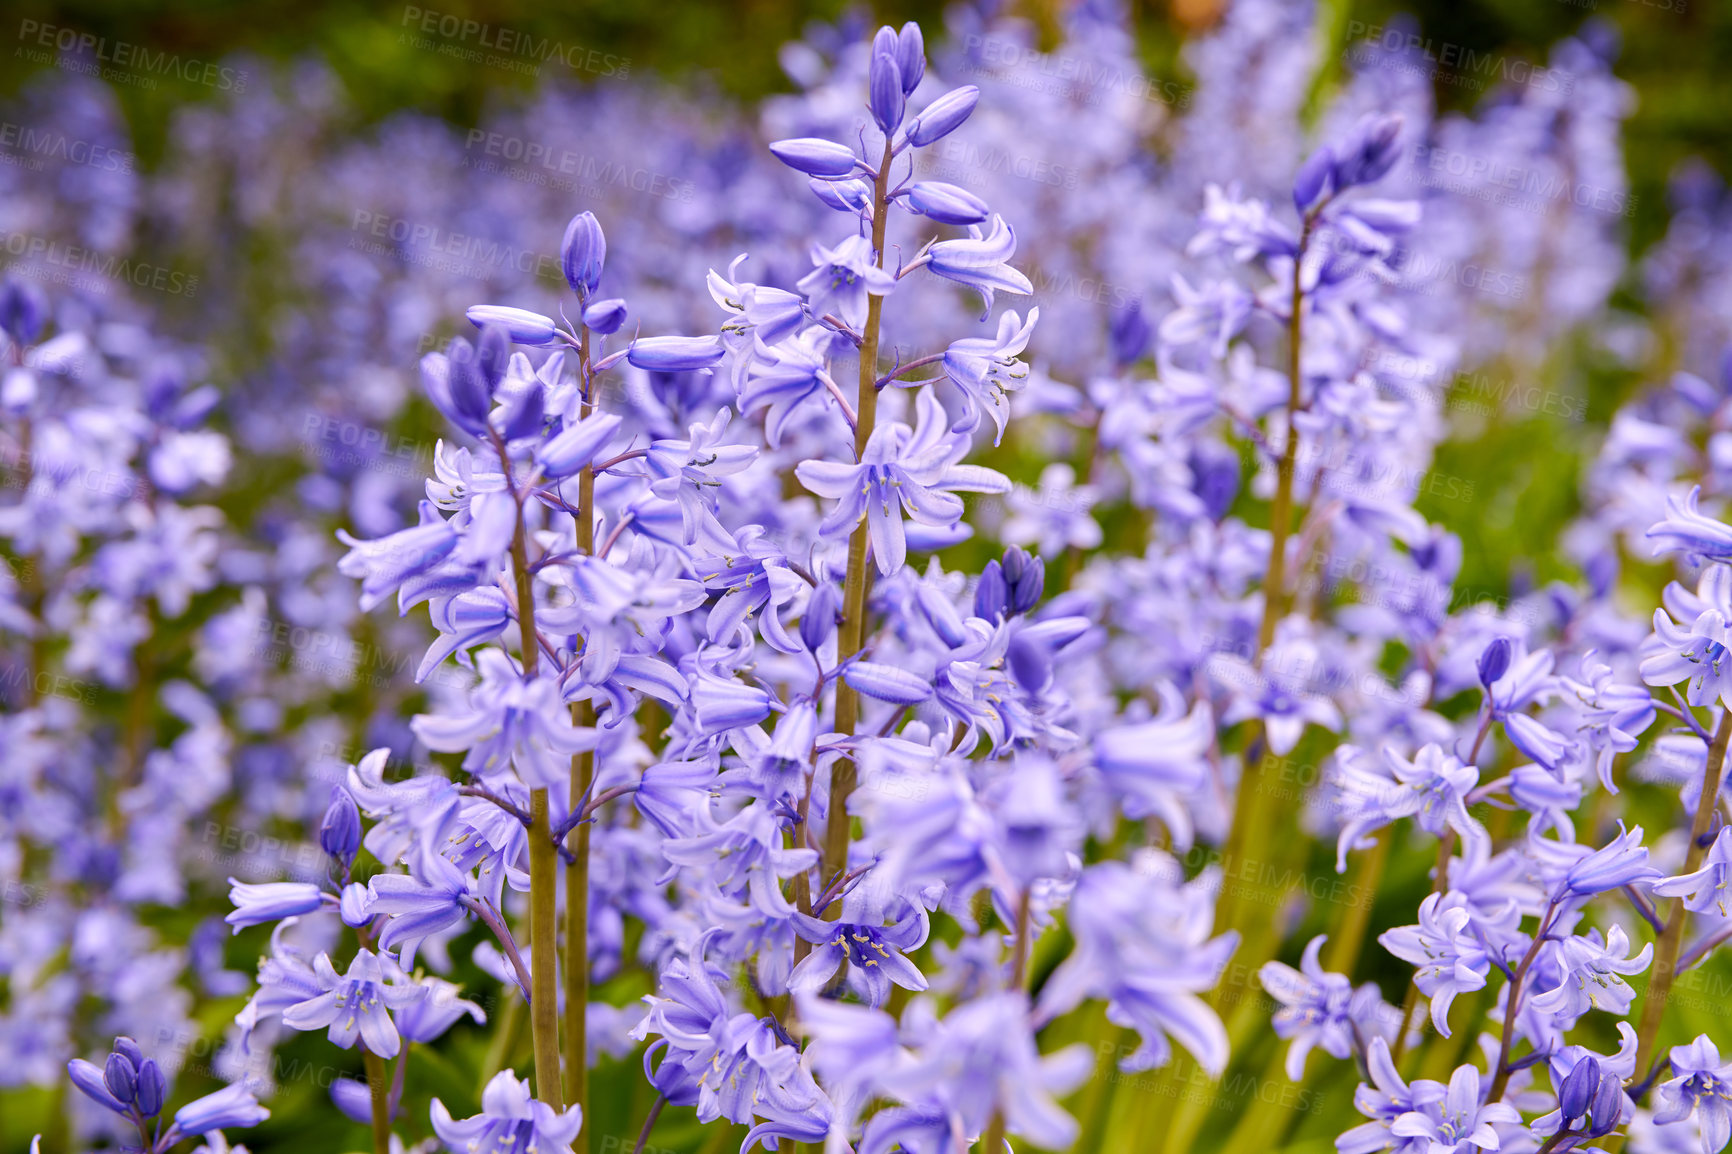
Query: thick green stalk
x,y
852,634
577,842
1671,940
381,1092
543,878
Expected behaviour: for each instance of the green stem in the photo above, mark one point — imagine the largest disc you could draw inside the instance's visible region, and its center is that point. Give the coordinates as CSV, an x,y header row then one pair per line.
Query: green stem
x,y
852,635
577,870
1666,950
543,861
381,1101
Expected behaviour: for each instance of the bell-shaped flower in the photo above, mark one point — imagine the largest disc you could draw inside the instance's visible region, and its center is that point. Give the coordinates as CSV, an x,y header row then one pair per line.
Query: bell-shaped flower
x,y
511,1118
982,261
988,371
1143,944
1701,1085
1705,890
1590,976
841,278
356,1004
870,950
901,471
1687,530
1319,1008
1451,958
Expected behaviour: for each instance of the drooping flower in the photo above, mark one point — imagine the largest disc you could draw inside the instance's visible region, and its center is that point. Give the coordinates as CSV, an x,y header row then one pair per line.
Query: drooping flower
x,y
511,1119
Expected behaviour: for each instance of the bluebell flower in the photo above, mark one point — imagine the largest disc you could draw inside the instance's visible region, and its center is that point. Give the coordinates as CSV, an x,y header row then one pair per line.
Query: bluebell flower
x,y
1590,976
270,902
676,354
1319,1008
1705,890
1143,944
816,156
511,1119
1450,957
1689,531
583,253
355,1005
841,278
234,1105
385,564
1620,862
1460,1118
434,896
943,116
982,262
945,203
1386,1100
901,471
861,943
1701,1085
987,370
521,325
1433,788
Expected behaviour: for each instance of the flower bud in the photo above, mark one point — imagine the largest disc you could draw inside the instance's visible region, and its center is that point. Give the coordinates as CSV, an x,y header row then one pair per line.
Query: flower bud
x,y
675,354
943,116
340,832
992,593
90,1082
946,203
884,84
1578,1090
604,317
120,1076
583,253
151,1090
1608,1105
576,445
1494,662
911,56
130,1050
844,195
492,355
1311,182
815,156
820,619
23,310
521,325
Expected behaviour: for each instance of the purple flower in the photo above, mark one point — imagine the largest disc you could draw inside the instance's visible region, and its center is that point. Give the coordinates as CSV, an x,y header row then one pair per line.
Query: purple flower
x,y
1589,976
1705,890
1701,1085
355,1005
510,1120
982,262
1387,1100
1620,862
901,471
1459,1121
1451,958
1319,1008
233,1105
271,902
842,277
987,370
872,953
1689,531
1143,944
